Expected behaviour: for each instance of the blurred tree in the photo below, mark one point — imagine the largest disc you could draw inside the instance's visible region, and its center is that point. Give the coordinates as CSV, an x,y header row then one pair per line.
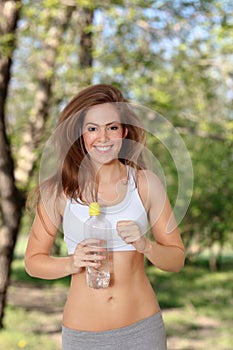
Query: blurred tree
x,y
52,21
10,198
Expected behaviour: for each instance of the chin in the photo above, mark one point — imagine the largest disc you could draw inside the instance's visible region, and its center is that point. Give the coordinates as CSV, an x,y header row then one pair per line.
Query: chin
x,y
104,159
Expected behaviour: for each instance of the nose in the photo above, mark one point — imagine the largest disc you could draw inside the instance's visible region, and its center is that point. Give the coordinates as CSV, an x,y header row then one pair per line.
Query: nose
x,y
103,134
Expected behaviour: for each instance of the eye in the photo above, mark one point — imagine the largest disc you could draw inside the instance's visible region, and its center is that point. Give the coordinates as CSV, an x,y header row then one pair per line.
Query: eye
x,y
114,127
91,128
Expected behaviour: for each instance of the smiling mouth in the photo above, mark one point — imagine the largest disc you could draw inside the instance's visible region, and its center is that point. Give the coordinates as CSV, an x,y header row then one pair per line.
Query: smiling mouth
x,y
103,149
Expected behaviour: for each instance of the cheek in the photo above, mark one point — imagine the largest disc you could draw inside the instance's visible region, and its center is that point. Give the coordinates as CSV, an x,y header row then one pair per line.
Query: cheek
x,y
118,144
87,139
120,134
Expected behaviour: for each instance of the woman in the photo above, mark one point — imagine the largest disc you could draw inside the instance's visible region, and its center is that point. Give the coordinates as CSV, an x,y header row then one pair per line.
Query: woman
x,y
101,159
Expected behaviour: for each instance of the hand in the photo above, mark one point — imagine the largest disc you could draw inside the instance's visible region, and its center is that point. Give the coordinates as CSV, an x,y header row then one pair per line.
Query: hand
x,y
87,253
131,234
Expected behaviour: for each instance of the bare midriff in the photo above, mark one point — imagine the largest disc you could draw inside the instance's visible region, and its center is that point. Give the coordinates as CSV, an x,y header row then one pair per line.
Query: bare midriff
x,y
128,299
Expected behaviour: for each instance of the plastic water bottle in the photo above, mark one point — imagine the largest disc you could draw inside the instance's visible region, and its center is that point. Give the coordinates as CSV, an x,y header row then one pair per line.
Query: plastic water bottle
x,y
98,227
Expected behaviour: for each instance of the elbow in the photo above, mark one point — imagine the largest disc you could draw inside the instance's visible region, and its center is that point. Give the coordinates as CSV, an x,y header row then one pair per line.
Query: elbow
x,y
176,262
179,263
178,268
29,267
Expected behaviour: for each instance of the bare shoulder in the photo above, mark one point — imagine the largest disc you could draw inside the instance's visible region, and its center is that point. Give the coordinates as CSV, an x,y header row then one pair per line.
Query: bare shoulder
x,y
61,203
52,206
148,180
150,187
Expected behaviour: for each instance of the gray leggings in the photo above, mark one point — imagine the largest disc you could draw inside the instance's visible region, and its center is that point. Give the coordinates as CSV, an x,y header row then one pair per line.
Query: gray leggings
x,y
147,334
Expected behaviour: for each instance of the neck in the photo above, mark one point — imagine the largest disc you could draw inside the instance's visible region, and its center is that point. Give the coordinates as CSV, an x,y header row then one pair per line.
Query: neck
x,y
113,171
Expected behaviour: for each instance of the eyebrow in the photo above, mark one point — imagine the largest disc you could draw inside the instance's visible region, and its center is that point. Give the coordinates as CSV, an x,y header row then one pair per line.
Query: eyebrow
x,y
114,122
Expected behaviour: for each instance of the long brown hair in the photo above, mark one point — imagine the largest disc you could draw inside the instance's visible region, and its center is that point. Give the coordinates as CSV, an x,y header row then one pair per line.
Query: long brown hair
x,y
75,173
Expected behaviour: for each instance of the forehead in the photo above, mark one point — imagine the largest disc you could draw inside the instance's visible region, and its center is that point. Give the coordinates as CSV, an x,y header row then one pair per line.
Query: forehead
x,y
102,114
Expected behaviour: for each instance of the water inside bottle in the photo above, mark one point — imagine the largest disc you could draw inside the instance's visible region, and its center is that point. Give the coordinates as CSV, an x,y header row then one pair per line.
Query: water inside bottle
x,y
96,278
99,277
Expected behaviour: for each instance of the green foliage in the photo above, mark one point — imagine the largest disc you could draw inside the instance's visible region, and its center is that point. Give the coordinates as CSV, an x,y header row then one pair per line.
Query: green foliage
x,y
211,206
171,56
6,44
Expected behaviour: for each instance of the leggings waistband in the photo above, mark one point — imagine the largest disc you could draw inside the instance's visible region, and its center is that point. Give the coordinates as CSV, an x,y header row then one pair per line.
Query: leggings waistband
x,y
146,334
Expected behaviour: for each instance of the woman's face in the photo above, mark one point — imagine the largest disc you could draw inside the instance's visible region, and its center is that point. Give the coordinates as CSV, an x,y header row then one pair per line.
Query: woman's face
x,y
103,133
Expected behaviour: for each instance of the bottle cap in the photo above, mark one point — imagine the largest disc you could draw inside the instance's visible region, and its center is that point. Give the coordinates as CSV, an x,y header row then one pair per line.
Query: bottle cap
x,y
94,209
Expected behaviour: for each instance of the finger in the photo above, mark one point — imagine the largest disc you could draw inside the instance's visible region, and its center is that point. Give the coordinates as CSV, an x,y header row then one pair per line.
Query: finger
x,y
124,223
127,230
90,241
93,264
84,263
94,257
87,243
129,238
93,250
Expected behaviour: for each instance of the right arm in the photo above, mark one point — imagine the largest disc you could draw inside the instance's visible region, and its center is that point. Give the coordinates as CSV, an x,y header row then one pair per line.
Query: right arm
x,y
38,261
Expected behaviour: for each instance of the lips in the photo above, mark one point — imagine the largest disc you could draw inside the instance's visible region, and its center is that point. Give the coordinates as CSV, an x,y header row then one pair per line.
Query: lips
x,y
103,149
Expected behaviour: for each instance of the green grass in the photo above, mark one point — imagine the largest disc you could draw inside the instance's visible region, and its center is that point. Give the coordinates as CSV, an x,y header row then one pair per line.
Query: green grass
x,y
197,305
19,332
208,292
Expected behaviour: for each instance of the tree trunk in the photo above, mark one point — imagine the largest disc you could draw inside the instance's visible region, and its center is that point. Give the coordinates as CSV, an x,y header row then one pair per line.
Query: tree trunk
x,y
10,198
86,57
86,45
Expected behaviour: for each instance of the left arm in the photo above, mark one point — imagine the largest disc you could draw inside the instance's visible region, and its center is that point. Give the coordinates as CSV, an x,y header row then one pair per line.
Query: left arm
x,y
166,251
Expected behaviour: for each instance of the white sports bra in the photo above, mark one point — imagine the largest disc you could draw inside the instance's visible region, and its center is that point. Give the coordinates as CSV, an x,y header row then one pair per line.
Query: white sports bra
x,y
131,208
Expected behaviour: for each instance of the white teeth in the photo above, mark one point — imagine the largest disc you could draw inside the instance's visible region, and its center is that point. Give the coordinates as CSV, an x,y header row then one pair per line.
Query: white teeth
x,y
103,148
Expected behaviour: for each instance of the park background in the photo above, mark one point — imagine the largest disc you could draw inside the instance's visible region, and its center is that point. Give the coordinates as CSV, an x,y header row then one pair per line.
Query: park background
x,y
175,58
